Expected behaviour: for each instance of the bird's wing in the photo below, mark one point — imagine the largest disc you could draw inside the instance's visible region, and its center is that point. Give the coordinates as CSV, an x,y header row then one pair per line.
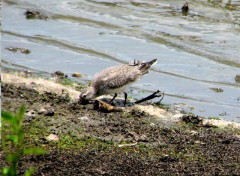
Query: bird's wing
x,y
116,77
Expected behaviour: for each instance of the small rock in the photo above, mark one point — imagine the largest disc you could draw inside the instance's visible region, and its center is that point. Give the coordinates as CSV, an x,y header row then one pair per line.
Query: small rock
x,y
52,137
143,138
12,49
237,78
192,119
31,113
28,73
134,135
42,110
25,51
77,75
32,14
58,74
49,113
46,110
199,142
127,145
152,124
85,118
15,49
225,141
167,158
193,132
237,136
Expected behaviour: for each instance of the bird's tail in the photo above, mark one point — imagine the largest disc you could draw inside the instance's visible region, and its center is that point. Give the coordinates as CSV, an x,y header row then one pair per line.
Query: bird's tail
x,y
144,66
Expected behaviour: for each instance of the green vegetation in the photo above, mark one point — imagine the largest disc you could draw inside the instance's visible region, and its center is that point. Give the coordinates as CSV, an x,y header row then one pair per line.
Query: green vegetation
x,y
127,114
15,141
163,106
67,82
215,118
71,83
86,142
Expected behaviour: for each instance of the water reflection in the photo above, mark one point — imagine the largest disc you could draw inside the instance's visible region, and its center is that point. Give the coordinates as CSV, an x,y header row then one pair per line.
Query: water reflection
x,y
197,52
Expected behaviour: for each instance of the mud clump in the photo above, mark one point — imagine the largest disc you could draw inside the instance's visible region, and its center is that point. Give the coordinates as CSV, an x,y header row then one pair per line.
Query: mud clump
x,y
59,74
218,90
237,78
33,14
192,119
77,75
89,140
15,49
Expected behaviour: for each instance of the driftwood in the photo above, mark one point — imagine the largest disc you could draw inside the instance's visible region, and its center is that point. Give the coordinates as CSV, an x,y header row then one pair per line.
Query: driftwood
x,y
156,94
105,107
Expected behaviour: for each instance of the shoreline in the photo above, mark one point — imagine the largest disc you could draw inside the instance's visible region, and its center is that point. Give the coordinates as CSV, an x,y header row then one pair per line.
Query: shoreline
x,y
140,140
45,85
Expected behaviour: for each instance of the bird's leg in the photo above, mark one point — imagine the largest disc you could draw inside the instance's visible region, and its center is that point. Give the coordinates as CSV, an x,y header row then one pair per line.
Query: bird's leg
x,y
125,98
115,95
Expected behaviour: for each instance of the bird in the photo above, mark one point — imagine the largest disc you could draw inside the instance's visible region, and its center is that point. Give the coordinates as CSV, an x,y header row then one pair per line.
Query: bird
x,y
115,79
185,9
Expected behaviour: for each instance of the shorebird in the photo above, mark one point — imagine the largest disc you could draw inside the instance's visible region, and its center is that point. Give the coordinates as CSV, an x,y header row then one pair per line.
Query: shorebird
x,y
116,79
185,9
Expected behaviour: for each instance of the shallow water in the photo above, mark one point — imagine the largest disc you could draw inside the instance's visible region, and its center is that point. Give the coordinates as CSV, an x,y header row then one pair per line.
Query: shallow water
x,y
195,53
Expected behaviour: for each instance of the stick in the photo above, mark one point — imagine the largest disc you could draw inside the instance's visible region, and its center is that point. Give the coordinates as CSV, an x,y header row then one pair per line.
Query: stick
x,y
152,96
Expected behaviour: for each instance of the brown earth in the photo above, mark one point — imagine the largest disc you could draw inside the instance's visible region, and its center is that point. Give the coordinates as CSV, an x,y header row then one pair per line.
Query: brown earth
x,y
119,143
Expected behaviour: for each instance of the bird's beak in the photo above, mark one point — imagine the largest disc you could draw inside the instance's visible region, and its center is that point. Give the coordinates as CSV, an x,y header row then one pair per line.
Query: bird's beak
x,y
152,62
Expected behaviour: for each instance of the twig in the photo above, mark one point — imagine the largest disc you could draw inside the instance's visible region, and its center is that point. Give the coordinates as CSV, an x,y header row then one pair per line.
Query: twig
x,y
163,93
152,96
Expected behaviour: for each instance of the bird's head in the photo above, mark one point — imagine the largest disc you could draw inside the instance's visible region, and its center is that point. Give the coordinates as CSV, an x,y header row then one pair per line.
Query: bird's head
x,y
86,95
144,66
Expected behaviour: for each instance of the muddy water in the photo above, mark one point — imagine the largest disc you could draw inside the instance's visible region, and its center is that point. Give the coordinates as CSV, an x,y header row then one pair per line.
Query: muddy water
x,y
195,53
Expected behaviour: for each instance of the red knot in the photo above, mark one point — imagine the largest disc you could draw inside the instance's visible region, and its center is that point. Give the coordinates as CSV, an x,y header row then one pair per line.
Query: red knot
x,y
116,79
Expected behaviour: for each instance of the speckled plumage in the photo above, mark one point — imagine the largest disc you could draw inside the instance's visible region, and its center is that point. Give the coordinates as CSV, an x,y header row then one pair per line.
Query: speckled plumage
x,y
115,79
112,79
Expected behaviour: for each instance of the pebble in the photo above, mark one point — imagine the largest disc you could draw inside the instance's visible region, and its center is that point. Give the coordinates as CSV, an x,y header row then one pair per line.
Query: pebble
x,y
127,145
85,118
237,78
22,50
33,14
77,75
31,113
52,137
49,113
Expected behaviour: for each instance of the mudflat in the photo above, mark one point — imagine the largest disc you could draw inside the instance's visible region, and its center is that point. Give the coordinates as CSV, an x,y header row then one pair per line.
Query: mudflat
x,y
129,142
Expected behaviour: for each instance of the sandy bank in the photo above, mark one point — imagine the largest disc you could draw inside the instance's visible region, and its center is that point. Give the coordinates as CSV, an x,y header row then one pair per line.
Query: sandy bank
x,y
44,85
